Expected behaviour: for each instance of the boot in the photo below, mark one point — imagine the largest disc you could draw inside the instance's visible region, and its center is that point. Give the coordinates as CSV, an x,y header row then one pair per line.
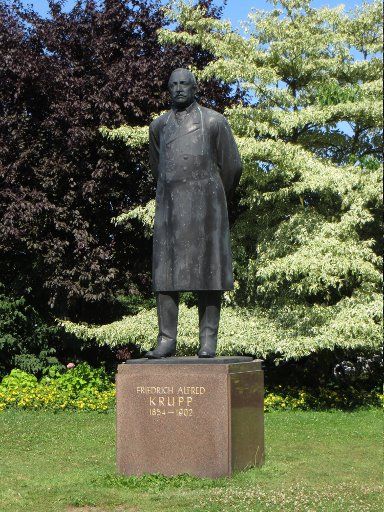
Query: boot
x,y
167,315
165,348
209,303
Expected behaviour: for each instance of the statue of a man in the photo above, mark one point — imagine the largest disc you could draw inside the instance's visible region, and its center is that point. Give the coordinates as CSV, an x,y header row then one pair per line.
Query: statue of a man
x,y
196,163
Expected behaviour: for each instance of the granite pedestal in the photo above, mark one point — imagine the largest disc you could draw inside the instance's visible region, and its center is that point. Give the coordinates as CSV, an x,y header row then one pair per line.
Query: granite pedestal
x,y
203,417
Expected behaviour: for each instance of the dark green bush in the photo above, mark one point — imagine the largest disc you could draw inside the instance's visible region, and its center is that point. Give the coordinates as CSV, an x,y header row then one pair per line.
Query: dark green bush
x,y
26,341
332,369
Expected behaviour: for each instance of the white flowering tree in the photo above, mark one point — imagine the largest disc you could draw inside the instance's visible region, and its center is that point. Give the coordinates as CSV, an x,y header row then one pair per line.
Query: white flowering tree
x,y
306,242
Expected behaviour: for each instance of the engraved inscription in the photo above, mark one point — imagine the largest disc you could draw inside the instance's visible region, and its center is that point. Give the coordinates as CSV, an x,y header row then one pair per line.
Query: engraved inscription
x,y
171,400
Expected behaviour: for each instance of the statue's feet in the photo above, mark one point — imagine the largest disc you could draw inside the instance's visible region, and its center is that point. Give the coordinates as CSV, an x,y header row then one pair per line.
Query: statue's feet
x,y
165,348
207,349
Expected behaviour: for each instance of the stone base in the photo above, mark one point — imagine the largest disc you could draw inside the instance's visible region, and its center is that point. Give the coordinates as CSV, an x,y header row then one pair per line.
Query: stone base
x,y
181,415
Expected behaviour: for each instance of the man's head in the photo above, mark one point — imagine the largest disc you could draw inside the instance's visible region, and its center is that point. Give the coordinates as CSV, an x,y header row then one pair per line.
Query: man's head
x,y
182,87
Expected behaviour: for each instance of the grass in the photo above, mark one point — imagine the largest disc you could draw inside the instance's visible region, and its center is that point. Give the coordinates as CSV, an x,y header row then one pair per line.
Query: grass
x,y
316,461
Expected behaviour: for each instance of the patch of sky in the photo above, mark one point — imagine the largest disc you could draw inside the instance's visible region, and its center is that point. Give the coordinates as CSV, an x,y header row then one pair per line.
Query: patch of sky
x,y
345,127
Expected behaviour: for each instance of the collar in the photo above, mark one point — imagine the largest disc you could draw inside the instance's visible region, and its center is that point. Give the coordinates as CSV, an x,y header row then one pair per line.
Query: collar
x,y
188,110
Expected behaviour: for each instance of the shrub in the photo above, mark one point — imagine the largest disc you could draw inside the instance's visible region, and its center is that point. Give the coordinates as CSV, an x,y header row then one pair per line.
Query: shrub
x,y
80,379
25,340
291,398
80,388
88,389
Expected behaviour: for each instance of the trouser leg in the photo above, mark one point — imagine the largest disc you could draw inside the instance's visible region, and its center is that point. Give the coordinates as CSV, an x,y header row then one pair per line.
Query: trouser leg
x,y
167,316
209,303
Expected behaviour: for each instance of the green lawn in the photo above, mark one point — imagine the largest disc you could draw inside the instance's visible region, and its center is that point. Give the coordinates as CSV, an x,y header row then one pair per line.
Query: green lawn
x,y
316,461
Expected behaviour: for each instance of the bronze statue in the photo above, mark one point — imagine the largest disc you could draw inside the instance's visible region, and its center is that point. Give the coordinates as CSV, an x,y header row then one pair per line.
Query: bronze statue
x,y
196,163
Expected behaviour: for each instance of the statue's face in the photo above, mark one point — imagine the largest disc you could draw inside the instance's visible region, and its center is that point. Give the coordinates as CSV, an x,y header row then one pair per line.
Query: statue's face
x,y
182,89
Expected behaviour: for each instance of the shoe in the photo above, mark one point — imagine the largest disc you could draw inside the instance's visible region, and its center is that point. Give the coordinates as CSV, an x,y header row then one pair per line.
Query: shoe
x,y
207,349
165,348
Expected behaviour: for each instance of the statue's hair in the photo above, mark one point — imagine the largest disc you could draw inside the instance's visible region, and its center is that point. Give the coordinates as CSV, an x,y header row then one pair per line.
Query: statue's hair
x,y
190,74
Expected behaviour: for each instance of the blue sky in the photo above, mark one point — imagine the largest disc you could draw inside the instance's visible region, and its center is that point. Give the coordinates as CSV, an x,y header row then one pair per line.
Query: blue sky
x,y
235,11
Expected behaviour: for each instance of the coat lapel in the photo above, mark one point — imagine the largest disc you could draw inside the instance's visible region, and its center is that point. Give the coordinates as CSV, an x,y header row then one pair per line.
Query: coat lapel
x,y
171,126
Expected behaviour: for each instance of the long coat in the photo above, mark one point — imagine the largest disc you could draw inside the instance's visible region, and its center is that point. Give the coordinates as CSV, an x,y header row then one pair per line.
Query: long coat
x,y
197,165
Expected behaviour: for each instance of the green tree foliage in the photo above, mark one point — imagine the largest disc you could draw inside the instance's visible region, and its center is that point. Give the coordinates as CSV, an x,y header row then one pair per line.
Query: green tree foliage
x,y
306,239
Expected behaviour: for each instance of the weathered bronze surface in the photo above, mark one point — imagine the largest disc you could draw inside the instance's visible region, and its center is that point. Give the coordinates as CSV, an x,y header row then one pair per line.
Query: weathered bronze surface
x,y
189,415
196,164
